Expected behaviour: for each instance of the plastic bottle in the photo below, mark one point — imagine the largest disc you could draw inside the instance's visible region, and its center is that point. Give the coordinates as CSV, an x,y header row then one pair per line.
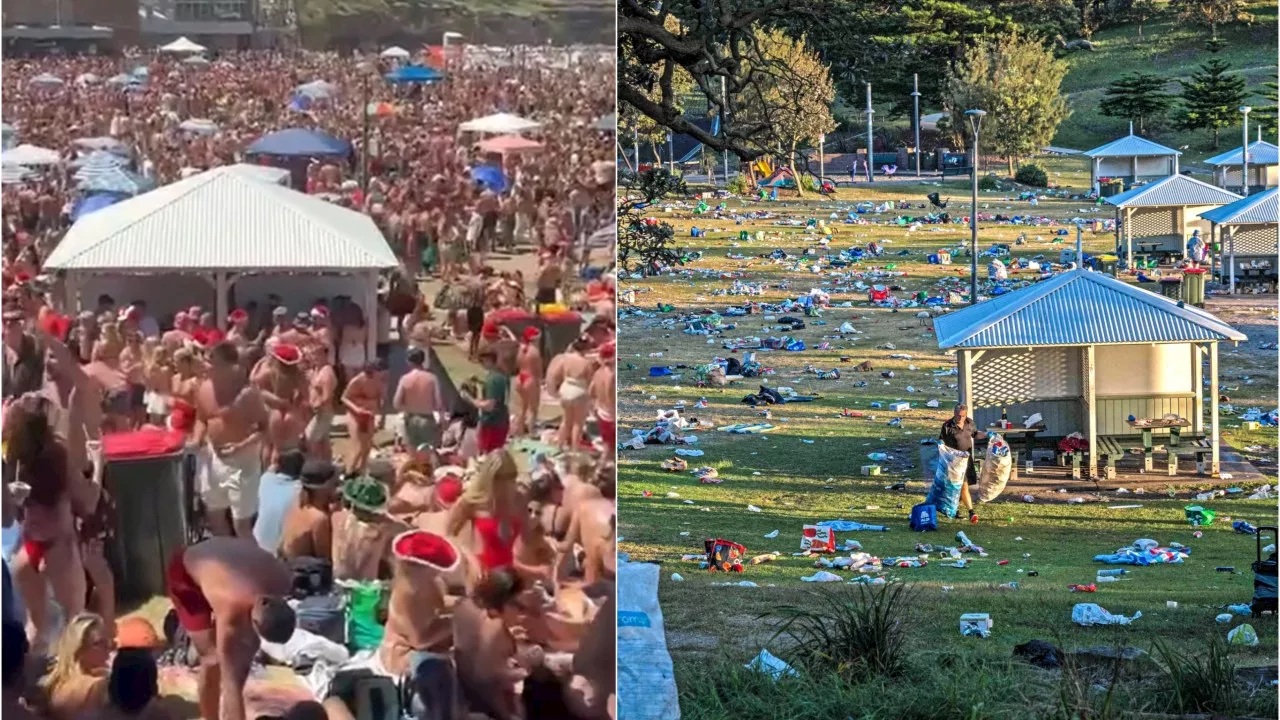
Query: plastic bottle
x,y
962,539
1083,588
1009,586
878,456
1106,578
1117,571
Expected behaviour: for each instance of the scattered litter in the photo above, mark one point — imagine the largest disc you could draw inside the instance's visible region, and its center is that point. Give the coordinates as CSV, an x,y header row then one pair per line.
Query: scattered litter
x,y
677,577
771,665
1123,507
1087,614
1243,635
753,508
772,535
1223,619
823,576
978,624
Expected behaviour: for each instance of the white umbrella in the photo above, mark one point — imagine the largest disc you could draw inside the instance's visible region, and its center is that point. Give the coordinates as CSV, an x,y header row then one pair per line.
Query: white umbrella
x,y
30,155
45,80
182,46
121,79
200,126
196,60
87,79
108,144
13,174
396,52
317,89
500,124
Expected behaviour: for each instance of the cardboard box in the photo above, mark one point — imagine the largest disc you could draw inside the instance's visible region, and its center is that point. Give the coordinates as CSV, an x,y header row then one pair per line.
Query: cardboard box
x,y
975,624
870,469
900,406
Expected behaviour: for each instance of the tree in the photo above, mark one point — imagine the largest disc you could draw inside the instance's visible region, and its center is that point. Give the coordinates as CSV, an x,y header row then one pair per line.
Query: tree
x,y
646,127
646,244
1138,12
1210,12
1211,99
1267,114
1138,97
795,104
1017,81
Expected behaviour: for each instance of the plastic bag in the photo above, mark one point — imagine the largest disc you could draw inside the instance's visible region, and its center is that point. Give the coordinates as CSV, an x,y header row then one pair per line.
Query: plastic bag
x,y
646,679
995,471
771,665
948,475
365,614
1087,614
1243,635
816,538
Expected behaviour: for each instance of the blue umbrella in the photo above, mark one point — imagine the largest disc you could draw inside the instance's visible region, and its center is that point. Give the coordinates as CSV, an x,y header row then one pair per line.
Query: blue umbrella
x,y
99,161
297,142
93,203
118,181
415,74
301,102
490,177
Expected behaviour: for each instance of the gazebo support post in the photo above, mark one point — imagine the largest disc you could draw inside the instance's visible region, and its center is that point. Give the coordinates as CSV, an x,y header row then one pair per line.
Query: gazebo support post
x,y
1133,166
1197,382
371,316
221,287
1093,167
1214,439
71,285
1128,238
1231,259
1091,409
966,381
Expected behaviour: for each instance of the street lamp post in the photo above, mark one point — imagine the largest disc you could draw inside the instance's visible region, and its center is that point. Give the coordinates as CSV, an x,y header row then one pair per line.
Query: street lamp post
x,y
724,103
975,124
822,158
1244,150
870,173
915,99
671,152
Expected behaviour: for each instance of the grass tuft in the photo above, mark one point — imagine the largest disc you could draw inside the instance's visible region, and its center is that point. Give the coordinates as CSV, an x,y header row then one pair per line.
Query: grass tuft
x,y
850,631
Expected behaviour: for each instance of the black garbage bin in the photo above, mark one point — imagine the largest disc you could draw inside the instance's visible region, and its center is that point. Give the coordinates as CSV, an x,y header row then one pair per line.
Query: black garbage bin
x,y
1171,287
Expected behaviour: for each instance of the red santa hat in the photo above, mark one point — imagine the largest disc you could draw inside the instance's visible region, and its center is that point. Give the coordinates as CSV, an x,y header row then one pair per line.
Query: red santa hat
x,y
238,315
286,353
530,333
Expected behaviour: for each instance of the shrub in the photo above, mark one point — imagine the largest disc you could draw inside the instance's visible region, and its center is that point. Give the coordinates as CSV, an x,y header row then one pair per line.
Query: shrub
x,y
988,182
740,185
1200,683
1033,175
851,631
810,183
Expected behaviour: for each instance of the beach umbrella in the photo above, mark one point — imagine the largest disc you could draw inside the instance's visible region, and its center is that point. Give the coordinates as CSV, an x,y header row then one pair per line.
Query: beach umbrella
x,y
13,174
500,124
45,80
414,74
508,144
317,89
197,61
121,79
396,53
199,126
93,203
490,177
142,71
116,180
98,161
103,143
299,142
380,109
30,156
87,79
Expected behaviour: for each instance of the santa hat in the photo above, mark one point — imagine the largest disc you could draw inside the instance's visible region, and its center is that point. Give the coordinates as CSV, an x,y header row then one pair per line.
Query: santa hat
x,y
319,311
286,353
530,333
427,549
238,315
489,329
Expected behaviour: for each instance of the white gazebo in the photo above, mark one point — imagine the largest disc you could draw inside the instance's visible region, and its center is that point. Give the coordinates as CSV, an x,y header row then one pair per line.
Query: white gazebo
x,y
1264,167
1161,216
1252,229
500,124
183,46
238,233
1133,159
1086,351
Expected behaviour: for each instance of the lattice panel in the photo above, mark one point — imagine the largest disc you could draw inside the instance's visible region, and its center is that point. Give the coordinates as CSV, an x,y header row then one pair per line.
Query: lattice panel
x,y
1159,221
1013,376
1257,241
1231,176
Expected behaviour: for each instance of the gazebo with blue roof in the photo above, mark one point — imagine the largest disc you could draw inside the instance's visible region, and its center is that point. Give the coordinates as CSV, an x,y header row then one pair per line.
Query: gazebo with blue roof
x,y
1131,158
1252,242
1162,215
1088,351
1264,167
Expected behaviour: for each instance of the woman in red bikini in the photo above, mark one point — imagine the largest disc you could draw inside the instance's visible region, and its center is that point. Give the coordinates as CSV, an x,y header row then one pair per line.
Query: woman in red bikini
x,y
363,401
494,507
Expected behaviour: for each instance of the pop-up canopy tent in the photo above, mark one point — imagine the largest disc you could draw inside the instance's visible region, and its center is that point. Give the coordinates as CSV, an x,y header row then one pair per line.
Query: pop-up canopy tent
x,y
500,124
504,144
183,46
395,52
414,74
299,142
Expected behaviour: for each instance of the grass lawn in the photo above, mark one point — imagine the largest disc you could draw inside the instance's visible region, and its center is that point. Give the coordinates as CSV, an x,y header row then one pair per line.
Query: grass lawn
x,y
807,471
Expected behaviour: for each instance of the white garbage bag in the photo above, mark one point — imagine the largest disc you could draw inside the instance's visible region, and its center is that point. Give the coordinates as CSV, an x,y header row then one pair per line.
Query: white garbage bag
x,y
646,679
1087,614
995,470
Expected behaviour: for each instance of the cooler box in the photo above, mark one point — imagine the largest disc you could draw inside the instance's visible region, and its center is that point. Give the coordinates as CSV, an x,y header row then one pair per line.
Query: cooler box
x,y
878,293
154,493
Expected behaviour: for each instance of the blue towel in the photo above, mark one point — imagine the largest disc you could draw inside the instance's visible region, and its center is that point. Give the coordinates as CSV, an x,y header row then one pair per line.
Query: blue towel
x,y
851,526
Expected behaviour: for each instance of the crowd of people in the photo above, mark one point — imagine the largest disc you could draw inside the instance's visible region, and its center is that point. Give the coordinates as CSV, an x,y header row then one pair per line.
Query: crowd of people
x,y
490,521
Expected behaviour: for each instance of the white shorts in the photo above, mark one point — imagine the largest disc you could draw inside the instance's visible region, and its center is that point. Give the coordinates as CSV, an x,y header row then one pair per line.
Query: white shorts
x,y
572,389
231,481
157,404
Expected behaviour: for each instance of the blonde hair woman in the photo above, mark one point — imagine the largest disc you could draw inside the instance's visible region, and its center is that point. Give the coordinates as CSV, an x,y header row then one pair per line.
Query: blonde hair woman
x,y
492,503
78,681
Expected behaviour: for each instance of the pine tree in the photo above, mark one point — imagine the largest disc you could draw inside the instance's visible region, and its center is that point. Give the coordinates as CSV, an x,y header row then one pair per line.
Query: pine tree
x,y
1210,12
1139,97
1211,99
1268,116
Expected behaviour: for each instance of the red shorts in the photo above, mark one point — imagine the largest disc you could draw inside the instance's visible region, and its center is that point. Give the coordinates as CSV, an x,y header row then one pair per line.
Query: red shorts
x,y
491,437
364,423
608,430
36,550
194,612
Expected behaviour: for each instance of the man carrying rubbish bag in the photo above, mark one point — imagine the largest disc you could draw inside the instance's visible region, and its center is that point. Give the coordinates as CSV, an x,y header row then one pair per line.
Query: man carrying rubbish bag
x,y
954,472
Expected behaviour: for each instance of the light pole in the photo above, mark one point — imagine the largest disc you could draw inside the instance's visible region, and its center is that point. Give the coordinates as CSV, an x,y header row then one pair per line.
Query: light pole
x,y
635,144
870,112
671,152
1244,150
724,103
975,124
915,99
822,158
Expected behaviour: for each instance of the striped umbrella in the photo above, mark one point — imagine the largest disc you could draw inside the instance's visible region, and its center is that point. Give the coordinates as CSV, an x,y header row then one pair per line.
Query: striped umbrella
x,y
117,180
96,163
13,174
45,80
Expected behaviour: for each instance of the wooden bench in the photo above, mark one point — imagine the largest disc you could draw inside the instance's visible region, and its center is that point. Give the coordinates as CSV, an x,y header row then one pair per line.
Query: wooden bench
x,y
1110,451
1202,448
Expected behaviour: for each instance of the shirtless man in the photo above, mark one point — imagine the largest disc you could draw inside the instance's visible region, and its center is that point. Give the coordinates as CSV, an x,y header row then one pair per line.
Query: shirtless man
x,y
231,424
308,530
593,526
243,586
569,376
238,330
180,335
361,531
604,395
418,397
363,402
485,650
549,275
419,632
187,376
529,377
322,385
283,387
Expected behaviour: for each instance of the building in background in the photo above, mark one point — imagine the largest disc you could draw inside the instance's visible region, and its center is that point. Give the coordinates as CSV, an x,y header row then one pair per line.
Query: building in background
x,y
83,25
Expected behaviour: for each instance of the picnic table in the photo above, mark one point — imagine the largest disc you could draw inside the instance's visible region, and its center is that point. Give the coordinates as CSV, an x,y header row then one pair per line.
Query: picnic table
x,y
1028,433
1146,426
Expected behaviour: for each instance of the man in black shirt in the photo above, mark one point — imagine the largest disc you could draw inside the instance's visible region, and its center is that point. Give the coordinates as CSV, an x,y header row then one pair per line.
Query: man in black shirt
x,y
958,433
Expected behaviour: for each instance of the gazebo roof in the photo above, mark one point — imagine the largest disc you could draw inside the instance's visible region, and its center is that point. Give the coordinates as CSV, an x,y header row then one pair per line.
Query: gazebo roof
x,y
1079,307
1174,190
1260,209
1130,146
1261,152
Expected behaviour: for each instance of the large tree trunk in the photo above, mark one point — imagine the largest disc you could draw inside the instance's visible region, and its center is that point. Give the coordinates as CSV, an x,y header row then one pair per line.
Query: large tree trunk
x,y
791,165
1216,133
1008,159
